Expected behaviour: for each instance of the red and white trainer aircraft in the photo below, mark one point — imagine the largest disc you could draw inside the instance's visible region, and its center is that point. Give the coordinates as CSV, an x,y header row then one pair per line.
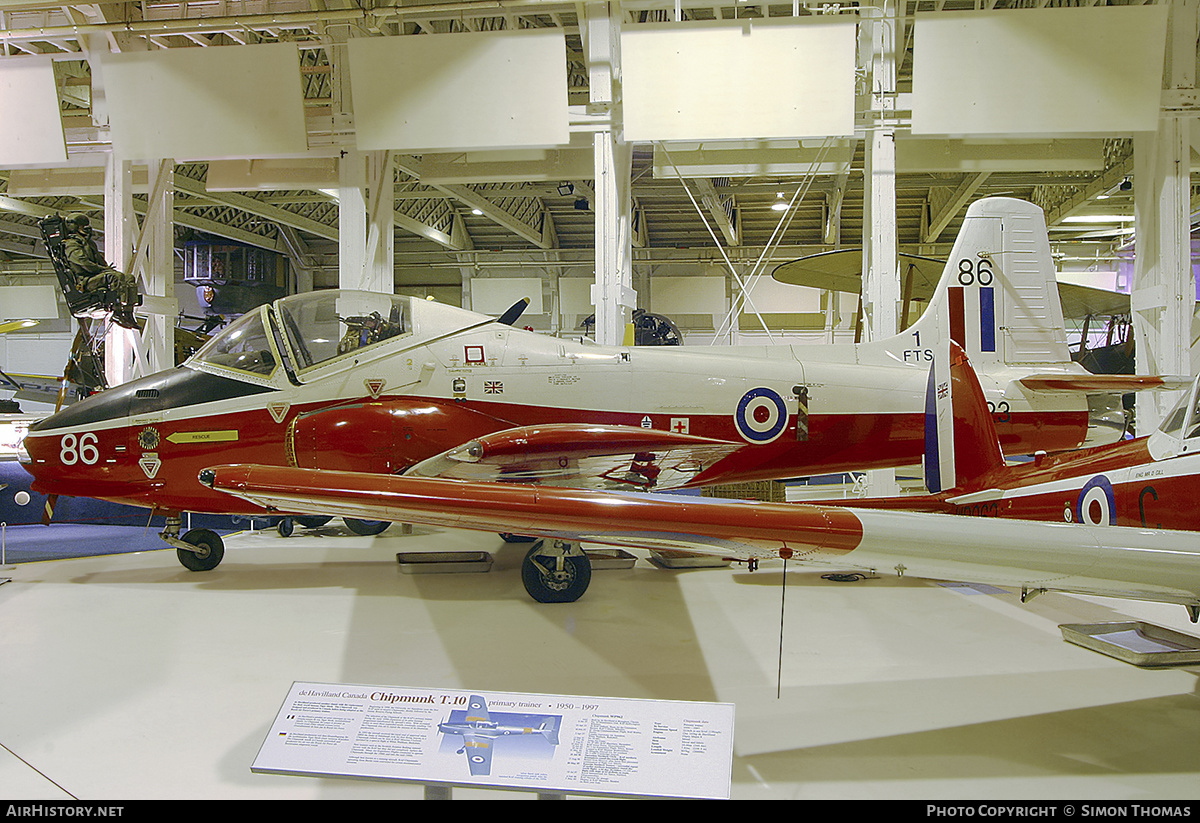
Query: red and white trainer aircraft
x,y
384,384
1147,482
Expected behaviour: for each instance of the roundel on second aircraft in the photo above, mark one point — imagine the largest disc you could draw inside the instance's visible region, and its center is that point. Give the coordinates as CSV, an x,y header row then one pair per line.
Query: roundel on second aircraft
x,y
1096,505
761,415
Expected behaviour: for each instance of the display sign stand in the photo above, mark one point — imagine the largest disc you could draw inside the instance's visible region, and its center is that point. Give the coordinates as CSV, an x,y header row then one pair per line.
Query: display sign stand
x,y
550,744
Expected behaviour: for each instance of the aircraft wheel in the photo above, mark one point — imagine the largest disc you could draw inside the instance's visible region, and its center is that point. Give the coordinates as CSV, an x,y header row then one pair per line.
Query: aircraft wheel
x,y
312,522
556,572
285,527
366,527
509,537
210,550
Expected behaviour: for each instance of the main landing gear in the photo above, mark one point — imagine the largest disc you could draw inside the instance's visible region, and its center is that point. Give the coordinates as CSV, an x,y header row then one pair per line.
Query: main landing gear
x,y
199,550
364,528
556,571
553,571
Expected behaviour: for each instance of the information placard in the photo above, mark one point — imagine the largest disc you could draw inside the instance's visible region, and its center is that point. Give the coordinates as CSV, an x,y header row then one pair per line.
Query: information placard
x,y
545,743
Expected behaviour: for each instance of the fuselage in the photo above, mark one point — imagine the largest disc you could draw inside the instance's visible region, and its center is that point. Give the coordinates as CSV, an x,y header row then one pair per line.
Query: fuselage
x,y
377,383
1149,482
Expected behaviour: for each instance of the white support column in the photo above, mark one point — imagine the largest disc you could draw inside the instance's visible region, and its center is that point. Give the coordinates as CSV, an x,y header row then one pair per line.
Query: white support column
x,y
1163,294
1164,291
119,227
156,254
612,294
379,273
881,280
352,221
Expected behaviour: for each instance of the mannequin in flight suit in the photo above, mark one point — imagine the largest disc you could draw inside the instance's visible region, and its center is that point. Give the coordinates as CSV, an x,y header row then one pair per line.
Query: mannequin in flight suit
x,y
92,272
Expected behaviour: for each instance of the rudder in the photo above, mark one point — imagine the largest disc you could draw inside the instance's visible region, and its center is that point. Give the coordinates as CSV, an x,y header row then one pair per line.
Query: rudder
x,y
998,295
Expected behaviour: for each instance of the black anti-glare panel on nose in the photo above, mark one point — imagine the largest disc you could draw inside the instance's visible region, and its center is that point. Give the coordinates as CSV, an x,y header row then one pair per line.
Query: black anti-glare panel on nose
x,y
177,388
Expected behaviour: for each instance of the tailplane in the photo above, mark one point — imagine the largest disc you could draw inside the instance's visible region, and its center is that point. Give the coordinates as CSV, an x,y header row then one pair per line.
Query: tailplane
x,y
549,730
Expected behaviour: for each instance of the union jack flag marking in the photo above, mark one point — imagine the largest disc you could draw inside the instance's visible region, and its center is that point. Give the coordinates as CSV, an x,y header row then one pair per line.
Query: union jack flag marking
x,y
493,387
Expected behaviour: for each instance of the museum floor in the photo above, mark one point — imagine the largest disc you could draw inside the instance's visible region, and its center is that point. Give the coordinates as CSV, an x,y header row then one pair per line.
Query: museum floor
x,y
126,677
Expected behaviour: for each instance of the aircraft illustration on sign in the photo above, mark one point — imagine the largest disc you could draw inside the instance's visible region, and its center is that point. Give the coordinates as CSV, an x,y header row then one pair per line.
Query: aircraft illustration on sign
x,y
385,384
479,732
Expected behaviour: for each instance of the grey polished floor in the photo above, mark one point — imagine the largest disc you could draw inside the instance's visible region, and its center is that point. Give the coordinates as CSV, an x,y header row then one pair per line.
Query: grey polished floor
x,y
127,677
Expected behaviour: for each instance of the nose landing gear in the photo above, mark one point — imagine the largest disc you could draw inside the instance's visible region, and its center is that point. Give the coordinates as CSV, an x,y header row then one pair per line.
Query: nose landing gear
x,y
199,550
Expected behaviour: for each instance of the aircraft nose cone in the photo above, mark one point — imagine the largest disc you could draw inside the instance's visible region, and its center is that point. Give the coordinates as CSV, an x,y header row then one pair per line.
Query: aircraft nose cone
x,y
207,477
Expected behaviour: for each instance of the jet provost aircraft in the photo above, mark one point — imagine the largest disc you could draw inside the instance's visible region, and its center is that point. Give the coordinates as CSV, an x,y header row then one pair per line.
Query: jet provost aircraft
x,y
1147,482
386,384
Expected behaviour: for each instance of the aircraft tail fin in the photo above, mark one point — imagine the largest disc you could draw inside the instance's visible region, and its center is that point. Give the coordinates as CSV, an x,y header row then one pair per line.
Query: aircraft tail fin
x,y
998,294
549,730
962,447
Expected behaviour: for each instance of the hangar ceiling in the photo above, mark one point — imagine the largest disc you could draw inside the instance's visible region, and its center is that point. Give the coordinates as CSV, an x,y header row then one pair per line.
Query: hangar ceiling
x,y
513,220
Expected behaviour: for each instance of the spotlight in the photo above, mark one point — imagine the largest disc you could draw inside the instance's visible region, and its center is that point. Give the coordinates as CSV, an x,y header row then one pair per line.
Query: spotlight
x,y
780,204
566,189
582,204
1126,184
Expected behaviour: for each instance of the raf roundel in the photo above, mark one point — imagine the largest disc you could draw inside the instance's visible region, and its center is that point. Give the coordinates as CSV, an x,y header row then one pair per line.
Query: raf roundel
x,y
761,415
1096,505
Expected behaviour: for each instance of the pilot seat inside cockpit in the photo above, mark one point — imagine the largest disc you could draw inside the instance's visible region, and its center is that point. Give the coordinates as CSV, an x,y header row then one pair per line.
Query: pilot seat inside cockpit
x,y
88,296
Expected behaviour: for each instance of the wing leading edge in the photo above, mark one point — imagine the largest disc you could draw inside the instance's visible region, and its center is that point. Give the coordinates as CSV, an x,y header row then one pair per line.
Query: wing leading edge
x,y
1141,564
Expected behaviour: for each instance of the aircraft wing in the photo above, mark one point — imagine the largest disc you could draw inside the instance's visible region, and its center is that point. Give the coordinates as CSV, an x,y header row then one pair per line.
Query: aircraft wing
x,y
841,270
1114,561
477,710
627,458
479,753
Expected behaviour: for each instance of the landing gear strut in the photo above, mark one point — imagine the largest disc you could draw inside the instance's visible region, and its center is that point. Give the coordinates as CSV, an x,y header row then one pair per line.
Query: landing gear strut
x,y
199,550
556,571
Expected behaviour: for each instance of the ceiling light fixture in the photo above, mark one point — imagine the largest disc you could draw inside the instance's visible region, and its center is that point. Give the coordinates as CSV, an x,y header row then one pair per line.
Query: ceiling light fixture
x,y
780,204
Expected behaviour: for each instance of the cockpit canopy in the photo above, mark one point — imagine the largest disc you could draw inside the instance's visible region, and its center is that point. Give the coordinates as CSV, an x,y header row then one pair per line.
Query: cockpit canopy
x,y
304,332
1183,421
321,326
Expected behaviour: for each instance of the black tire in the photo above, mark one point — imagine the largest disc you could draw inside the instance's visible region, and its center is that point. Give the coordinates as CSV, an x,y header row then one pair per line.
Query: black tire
x,y
509,537
312,522
548,581
285,527
366,527
211,550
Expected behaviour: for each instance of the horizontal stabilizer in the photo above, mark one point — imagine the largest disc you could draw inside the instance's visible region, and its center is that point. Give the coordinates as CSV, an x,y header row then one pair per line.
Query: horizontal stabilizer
x,y
1104,383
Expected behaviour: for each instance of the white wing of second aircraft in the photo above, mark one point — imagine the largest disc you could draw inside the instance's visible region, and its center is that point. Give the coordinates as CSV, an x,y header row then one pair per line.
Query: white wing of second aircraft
x,y
1141,564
